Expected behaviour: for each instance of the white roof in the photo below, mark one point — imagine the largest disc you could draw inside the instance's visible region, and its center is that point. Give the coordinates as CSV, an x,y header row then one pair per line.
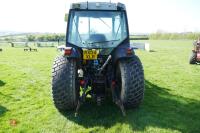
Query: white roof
x,y
98,6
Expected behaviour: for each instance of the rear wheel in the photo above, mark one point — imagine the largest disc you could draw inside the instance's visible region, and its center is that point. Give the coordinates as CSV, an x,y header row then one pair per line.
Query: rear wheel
x,y
64,83
193,58
130,81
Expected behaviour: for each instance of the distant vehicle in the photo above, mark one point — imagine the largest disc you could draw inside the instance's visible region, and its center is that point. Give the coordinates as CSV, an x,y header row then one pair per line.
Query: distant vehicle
x,y
97,59
195,57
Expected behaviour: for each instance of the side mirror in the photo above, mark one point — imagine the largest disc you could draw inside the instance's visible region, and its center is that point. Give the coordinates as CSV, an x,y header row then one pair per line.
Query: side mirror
x,y
66,17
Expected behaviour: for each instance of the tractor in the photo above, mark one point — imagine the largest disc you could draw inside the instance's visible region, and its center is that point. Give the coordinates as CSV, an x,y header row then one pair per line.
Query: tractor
x,y
97,59
195,57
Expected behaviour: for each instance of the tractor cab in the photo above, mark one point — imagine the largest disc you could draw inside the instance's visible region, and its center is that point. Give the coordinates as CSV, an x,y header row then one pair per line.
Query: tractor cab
x,y
97,25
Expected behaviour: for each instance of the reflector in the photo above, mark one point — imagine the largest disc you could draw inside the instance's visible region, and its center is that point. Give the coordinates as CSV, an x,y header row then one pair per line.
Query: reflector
x,y
129,51
68,52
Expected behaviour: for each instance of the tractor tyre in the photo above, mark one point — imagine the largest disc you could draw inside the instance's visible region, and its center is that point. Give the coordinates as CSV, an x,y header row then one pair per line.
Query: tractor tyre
x,y
64,83
193,58
130,81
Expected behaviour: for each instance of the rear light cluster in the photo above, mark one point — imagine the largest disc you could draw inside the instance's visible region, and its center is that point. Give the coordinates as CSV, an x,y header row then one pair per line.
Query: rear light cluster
x,y
82,83
113,83
68,51
129,51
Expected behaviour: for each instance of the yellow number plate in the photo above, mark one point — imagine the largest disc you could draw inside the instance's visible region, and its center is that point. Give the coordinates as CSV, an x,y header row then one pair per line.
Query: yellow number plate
x,y
90,54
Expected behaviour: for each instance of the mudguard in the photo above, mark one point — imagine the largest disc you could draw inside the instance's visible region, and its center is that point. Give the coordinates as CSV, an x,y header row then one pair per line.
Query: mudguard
x,y
121,52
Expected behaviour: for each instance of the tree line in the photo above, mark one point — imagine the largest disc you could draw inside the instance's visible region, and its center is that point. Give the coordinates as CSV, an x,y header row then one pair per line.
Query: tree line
x,y
152,36
174,36
46,37
34,38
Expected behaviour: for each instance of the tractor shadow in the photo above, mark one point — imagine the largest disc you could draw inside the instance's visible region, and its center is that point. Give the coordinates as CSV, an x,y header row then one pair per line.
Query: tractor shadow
x,y
159,109
3,110
2,83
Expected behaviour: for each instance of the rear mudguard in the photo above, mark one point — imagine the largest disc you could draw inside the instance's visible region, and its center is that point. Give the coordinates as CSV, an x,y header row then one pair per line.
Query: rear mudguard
x,y
75,54
120,52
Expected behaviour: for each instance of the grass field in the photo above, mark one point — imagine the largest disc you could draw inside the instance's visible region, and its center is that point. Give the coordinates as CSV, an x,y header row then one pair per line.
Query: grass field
x,y
171,103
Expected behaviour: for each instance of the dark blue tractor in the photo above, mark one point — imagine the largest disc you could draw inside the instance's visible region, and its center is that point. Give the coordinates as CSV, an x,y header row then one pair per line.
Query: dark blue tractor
x,y
97,59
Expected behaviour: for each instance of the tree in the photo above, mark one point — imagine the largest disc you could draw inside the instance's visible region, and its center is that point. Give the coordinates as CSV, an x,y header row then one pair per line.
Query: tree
x,y
31,38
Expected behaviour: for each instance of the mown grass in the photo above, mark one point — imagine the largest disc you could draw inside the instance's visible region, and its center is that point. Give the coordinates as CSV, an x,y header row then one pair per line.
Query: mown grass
x,y
171,103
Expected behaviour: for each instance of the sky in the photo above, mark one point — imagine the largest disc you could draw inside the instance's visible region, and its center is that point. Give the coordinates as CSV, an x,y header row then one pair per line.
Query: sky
x,y
144,16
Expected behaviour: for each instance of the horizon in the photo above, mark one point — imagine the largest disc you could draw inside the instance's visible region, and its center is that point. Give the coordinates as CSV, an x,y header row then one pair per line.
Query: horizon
x,y
143,16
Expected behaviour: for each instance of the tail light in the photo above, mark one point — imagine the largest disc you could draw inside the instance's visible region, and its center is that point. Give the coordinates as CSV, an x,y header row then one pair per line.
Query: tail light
x,y
68,51
82,82
113,83
129,51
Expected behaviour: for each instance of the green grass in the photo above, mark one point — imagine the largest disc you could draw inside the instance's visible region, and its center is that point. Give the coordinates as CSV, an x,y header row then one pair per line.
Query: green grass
x,y
171,103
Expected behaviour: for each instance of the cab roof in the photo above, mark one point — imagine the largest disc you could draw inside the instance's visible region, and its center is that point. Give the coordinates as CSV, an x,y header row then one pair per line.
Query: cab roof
x,y
97,6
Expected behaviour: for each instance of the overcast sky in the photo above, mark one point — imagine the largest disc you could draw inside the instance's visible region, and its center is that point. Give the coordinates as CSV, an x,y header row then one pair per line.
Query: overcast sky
x,y
145,16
